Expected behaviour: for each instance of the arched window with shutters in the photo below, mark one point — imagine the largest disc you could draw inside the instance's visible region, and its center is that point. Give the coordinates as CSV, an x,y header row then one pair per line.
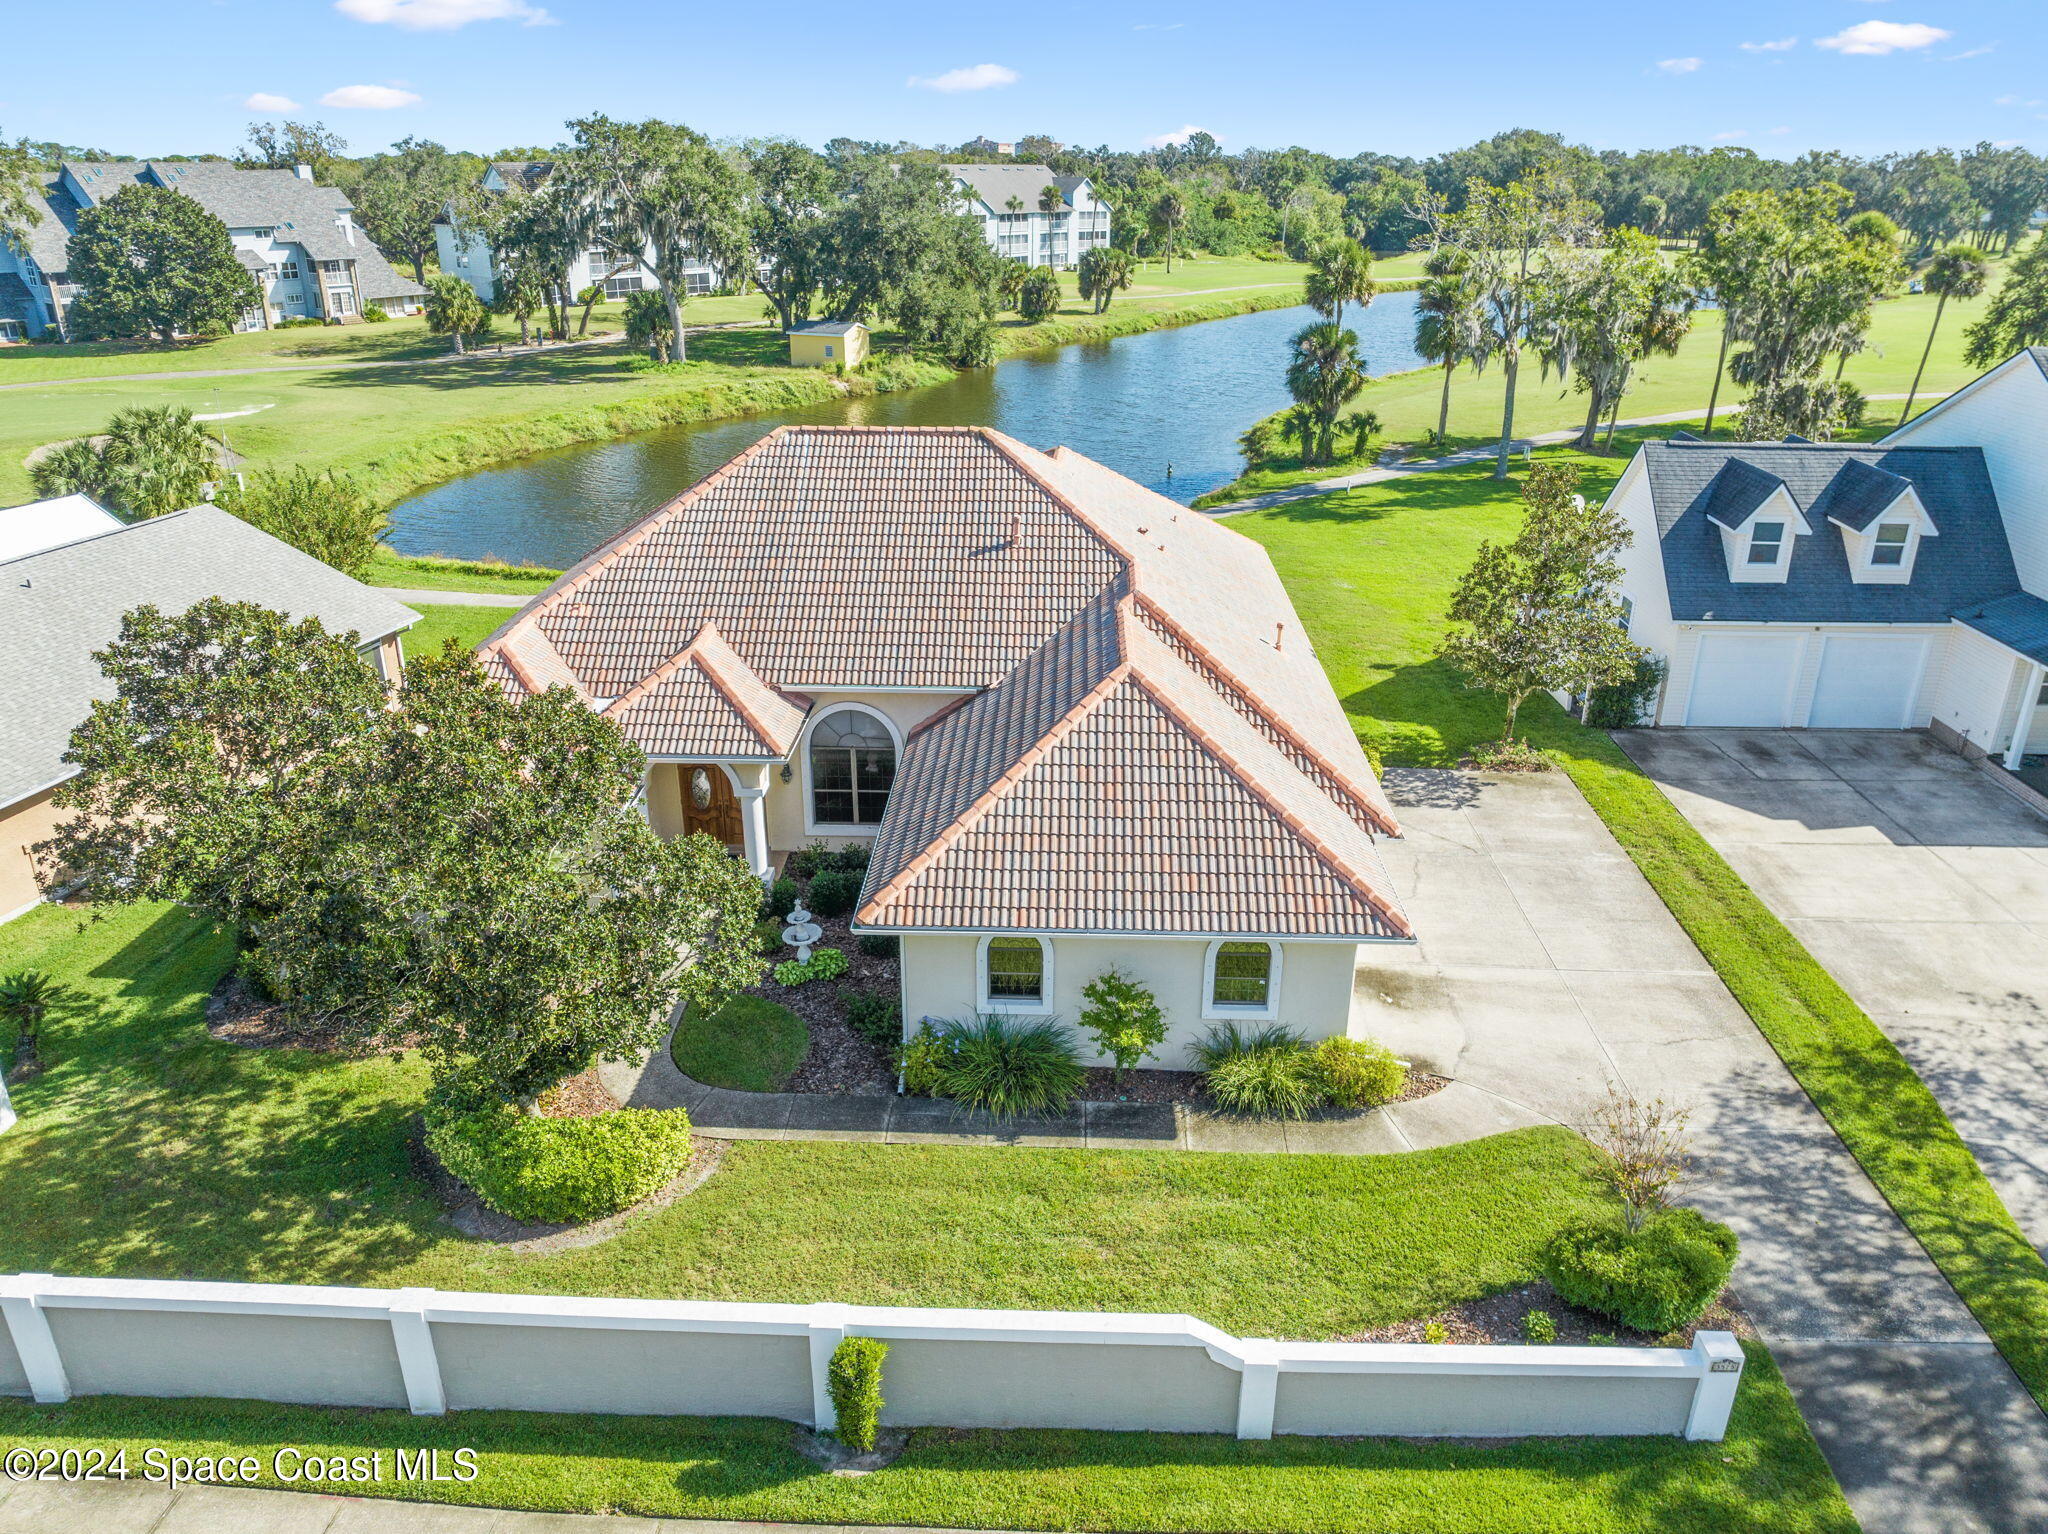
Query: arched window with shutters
x,y
851,763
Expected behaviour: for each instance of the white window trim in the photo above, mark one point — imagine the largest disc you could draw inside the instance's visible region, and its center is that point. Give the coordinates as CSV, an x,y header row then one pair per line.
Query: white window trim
x,y
812,825
1010,1004
1212,1011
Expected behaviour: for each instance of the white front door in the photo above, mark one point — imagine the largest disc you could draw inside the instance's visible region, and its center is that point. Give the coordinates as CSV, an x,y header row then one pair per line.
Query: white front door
x,y
1743,679
1867,683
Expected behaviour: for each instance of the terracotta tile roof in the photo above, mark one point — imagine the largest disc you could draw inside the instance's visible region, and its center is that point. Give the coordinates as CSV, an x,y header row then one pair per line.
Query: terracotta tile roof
x,y
708,702
1151,745
1149,806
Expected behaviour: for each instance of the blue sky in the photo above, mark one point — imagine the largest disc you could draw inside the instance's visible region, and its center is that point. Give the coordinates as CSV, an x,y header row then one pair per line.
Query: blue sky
x,y
1778,75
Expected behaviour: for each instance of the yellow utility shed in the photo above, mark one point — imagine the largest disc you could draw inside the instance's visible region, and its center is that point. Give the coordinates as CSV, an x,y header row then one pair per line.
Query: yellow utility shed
x,y
826,342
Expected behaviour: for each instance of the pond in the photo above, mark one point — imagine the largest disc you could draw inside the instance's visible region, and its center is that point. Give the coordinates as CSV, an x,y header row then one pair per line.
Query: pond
x,y
1164,408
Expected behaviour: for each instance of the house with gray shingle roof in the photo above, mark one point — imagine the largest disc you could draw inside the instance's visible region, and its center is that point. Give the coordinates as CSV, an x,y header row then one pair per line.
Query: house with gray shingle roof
x,y
1077,725
63,600
298,240
1009,203
1901,584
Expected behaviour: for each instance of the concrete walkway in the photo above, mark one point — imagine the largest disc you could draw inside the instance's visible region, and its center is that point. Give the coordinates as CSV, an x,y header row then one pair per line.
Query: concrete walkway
x,y
418,598
138,1508
1923,887
1470,455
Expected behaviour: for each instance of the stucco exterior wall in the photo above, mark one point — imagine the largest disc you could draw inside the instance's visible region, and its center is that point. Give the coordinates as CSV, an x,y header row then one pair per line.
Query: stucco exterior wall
x,y
22,825
788,803
313,1359
1088,1385
942,979
548,1368
13,1378
1476,1406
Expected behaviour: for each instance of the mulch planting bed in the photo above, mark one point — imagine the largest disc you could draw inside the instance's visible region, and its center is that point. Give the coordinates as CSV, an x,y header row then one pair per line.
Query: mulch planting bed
x,y
236,1014
1498,1319
839,1061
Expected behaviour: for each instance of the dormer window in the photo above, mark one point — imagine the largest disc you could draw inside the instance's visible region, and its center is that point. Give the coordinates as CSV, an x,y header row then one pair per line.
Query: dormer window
x,y
1889,546
1766,542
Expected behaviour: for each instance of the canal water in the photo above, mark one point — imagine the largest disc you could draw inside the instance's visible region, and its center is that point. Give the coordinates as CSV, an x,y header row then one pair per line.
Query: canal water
x,y
1164,408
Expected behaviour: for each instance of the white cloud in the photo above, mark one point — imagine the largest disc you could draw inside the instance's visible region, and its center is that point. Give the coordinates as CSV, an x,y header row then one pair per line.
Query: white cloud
x,y
1870,37
974,77
1679,66
1972,53
1179,135
442,15
1779,45
1729,138
269,101
1159,26
370,98
1779,132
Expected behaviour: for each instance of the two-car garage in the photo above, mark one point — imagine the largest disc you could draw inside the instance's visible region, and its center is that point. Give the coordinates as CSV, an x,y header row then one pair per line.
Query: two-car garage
x,y
1805,679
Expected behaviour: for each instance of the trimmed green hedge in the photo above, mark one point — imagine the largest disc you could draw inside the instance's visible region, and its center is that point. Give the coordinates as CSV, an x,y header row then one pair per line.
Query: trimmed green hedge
x,y
562,1171
1655,1279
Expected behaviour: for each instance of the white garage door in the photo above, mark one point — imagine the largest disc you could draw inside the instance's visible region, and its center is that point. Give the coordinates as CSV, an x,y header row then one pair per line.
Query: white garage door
x,y
1743,679
1866,684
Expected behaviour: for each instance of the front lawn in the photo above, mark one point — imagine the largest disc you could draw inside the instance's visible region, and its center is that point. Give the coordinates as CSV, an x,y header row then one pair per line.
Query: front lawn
x,y
748,1045
1371,572
443,621
150,1150
1765,1478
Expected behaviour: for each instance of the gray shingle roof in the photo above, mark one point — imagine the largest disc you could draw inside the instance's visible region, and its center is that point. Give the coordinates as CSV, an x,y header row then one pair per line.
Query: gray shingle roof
x,y
1856,495
997,184
2040,356
1735,492
2018,621
59,606
829,328
1967,564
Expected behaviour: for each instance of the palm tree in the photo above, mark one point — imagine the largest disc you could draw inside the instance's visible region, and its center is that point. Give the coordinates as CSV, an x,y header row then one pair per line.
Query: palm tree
x,y
1015,204
1447,326
1104,270
1339,273
1958,272
1050,199
1168,214
453,309
26,999
1324,375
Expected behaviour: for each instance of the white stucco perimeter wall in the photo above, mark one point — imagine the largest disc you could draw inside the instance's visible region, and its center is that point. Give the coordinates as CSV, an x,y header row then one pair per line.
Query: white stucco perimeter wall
x,y
431,1351
942,978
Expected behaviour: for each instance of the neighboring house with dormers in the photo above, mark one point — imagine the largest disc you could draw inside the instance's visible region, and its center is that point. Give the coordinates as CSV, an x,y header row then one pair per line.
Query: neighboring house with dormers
x,y
1079,725
464,254
1005,199
298,240
1895,585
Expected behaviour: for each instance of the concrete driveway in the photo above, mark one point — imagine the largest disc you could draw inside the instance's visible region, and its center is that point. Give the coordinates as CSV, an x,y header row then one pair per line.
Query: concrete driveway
x,y
1547,967
1921,885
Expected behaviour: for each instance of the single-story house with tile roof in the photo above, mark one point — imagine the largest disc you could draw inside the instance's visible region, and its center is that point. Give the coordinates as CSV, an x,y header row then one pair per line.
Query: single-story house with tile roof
x,y
1894,585
298,240
1078,725
60,604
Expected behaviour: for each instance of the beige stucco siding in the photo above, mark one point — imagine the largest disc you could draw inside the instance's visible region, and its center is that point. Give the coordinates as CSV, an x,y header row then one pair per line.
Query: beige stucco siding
x,y
942,979
22,825
788,824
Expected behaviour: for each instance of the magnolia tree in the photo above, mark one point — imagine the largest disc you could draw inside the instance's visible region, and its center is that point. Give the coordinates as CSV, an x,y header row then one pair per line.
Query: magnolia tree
x,y
1542,613
435,865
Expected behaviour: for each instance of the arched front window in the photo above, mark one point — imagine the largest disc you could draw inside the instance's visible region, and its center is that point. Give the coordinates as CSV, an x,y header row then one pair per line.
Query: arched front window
x,y
853,764
1013,972
1243,980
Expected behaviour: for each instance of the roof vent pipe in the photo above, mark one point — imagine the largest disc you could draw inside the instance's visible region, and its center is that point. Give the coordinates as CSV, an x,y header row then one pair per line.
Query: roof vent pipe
x,y
1016,529
1279,635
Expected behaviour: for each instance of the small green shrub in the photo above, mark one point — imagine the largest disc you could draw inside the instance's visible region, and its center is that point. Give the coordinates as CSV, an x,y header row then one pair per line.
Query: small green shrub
x,y
875,1015
854,1381
1515,755
1124,1016
1625,704
768,933
1436,1333
852,858
834,892
1538,1327
923,1061
373,314
778,900
823,964
879,945
561,1170
1267,1071
806,861
1010,1065
1358,1073
1655,1280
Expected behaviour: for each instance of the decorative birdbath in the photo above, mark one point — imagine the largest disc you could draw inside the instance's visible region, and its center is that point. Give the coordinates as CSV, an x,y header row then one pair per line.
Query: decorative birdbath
x,y
801,932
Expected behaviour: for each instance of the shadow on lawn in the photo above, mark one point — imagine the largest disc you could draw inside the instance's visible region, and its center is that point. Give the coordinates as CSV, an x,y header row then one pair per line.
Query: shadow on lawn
x,y
148,1149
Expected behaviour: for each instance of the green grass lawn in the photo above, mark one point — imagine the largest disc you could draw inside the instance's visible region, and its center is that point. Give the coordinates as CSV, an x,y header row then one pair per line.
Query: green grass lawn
x,y
1371,572
426,573
748,1045
469,626
1765,1478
